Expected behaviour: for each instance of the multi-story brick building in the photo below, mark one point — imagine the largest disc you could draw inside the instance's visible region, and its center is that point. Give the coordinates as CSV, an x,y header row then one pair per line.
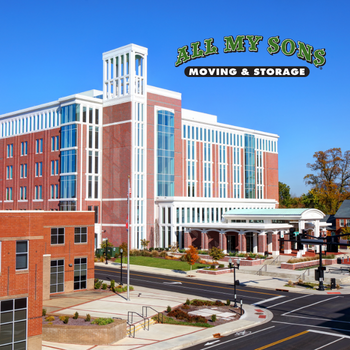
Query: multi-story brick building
x,y
78,152
41,253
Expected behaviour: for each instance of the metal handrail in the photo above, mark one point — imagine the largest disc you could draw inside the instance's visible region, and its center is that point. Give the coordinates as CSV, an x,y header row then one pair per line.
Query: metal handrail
x,y
134,328
302,276
132,318
260,270
275,260
150,307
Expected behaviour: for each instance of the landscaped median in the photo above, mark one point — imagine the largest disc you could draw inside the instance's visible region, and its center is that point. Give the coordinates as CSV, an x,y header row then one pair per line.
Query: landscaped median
x,y
296,264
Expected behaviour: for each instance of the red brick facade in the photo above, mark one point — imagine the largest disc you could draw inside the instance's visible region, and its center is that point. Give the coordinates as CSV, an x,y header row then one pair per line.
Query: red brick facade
x,y
35,228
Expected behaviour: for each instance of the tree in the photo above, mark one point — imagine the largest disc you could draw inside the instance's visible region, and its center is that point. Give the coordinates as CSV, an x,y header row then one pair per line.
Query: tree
x,y
330,179
103,244
144,243
284,195
191,255
344,231
216,253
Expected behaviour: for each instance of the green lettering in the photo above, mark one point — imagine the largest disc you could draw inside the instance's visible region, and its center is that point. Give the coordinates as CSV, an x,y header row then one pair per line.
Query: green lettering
x,y
210,49
292,47
253,42
305,52
232,45
182,56
197,53
319,59
273,45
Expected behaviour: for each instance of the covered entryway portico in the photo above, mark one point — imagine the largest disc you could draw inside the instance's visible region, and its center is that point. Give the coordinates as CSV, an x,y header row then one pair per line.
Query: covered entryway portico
x,y
255,230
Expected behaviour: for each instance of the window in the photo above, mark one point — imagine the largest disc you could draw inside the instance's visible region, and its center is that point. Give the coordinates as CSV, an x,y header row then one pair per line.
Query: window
x,y
57,235
38,192
9,193
80,235
24,148
54,167
341,223
39,169
23,193
96,214
9,172
39,146
10,150
80,271
23,171
13,323
57,276
54,143
21,255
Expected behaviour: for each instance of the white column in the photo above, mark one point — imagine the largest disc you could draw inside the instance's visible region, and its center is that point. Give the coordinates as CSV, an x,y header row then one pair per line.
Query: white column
x,y
255,242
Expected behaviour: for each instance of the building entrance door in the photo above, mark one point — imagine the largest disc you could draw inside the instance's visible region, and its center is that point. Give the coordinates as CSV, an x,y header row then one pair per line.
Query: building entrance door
x,y
231,243
249,240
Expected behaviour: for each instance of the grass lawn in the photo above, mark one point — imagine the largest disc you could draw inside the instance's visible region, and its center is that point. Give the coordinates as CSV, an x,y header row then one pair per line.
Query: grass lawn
x,y
162,263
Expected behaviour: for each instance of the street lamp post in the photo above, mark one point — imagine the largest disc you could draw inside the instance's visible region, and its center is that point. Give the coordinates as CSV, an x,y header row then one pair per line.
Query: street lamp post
x,y
106,240
232,266
121,266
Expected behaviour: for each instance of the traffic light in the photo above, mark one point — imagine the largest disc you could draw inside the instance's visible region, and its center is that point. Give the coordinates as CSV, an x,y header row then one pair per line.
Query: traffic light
x,y
292,235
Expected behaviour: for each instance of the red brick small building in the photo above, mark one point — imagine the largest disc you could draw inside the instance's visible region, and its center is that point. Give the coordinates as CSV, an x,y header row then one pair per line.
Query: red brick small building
x,y
41,253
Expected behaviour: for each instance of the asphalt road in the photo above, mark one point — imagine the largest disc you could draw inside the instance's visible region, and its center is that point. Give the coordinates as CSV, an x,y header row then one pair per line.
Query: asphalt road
x,y
301,321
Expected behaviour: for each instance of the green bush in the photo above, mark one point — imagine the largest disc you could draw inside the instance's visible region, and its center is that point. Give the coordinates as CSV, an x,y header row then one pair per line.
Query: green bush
x,y
88,318
182,250
44,312
112,283
213,318
104,286
241,255
98,255
66,319
228,302
221,266
188,302
50,318
168,309
163,254
102,321
146,253
76,315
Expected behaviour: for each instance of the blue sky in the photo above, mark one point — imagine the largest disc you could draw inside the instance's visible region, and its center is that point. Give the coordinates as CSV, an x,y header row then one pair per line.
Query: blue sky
x,y
51,49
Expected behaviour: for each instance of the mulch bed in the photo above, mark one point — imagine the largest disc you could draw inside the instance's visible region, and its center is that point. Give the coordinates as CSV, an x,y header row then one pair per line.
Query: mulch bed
x,y
80,321
216,309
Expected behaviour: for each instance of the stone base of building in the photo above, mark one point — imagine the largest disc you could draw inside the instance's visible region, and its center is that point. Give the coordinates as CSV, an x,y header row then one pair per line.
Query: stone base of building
x,y
34,342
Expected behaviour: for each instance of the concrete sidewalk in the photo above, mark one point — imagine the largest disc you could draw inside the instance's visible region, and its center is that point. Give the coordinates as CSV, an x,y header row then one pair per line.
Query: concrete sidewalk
x,y
159,336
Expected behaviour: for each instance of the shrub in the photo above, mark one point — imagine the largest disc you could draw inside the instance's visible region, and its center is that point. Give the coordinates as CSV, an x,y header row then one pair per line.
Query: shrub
x,y
113,289
109,256
181,250
168,309
61,318
219,303
102,259
44,312
98,284
50,318
76,315
183,258
154,254
104,286
112,283
197,302
95,259
188,302
213,318
103,321
151,249
290,283
228,302
221,266
185,307
145,253
163,254
124,246
216,253
198,319
88,318
337,286
66,319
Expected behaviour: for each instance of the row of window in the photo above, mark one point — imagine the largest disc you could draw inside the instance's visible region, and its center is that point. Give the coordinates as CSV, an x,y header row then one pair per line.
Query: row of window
x,y
58,235
24,148
38,192
225,138
38,170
